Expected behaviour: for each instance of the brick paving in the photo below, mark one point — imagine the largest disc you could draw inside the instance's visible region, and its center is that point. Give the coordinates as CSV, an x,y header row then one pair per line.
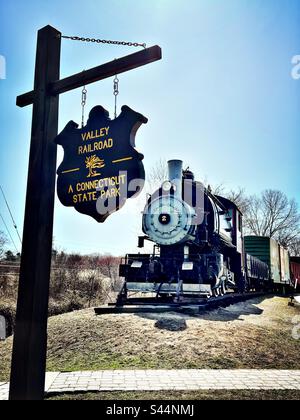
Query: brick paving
x,y
3,391
167,380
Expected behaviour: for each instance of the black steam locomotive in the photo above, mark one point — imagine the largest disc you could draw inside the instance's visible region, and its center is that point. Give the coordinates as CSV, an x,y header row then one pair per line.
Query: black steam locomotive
x,y
198,244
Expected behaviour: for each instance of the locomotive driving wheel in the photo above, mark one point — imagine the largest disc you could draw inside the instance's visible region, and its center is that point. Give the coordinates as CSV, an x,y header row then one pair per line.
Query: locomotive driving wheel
x,y
223,288
219,290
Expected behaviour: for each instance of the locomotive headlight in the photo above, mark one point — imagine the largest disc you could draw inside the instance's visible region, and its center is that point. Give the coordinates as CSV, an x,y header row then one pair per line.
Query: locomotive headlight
x,y
167,185
164,218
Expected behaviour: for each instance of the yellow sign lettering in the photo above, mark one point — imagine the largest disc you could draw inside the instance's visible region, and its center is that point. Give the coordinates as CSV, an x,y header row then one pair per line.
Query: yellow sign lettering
x,y
97,146
84,198
95,134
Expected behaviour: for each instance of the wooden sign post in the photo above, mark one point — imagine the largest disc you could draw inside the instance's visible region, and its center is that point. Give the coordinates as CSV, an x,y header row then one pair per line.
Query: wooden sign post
x,y
30,340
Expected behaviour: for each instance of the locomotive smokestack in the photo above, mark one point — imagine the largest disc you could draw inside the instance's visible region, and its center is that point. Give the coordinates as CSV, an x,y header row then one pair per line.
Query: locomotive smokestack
x,y
175,175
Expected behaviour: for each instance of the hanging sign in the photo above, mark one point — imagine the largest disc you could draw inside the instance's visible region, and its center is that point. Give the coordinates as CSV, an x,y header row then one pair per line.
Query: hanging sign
x,y
101,168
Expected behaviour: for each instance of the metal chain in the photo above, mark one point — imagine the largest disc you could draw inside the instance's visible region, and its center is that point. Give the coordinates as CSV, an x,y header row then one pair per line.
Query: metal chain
x,y
116,93
83,103
104,41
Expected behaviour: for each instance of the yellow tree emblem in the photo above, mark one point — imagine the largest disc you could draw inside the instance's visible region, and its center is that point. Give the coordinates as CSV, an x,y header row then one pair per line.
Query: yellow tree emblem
x,y
92,163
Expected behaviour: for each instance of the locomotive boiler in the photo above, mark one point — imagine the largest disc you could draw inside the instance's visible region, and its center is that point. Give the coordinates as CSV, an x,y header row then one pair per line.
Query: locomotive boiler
x,y
198,243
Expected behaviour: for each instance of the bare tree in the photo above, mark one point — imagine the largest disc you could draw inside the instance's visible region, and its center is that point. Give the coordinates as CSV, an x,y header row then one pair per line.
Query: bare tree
x,y
109,267
239,198
158,174
94,281
273,215
3,242
294,247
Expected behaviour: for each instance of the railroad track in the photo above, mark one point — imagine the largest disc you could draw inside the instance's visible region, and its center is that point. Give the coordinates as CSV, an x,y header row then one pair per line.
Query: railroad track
x,y
150,305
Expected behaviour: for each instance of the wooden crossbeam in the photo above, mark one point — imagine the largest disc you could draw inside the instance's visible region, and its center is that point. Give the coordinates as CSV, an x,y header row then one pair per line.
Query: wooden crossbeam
x,y
118,66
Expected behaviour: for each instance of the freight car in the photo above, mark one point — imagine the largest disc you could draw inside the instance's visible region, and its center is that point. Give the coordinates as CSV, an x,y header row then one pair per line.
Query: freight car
x,y
295,270
275,256
198,245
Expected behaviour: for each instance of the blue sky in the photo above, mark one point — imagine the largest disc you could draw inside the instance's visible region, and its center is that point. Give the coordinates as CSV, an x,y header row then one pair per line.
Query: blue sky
x,y
222,99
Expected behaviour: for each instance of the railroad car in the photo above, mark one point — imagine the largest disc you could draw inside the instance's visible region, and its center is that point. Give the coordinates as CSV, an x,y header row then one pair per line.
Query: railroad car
x,y
275,256
295,270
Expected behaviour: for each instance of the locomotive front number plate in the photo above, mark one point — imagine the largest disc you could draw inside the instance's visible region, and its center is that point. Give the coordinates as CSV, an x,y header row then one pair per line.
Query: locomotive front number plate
x,y
101,168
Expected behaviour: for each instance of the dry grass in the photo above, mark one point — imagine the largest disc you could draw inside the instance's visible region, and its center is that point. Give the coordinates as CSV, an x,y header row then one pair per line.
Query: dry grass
x,y
254,334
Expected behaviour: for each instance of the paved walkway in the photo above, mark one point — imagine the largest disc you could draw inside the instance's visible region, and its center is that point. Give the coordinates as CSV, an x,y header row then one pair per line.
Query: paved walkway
x,y
167,380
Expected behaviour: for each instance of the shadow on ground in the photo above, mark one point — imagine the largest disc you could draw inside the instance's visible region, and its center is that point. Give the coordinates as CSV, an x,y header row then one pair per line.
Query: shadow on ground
x,y
174,321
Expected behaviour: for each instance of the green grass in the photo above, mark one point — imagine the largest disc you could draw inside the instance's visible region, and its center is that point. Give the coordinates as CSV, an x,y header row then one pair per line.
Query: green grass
x,y
173,396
